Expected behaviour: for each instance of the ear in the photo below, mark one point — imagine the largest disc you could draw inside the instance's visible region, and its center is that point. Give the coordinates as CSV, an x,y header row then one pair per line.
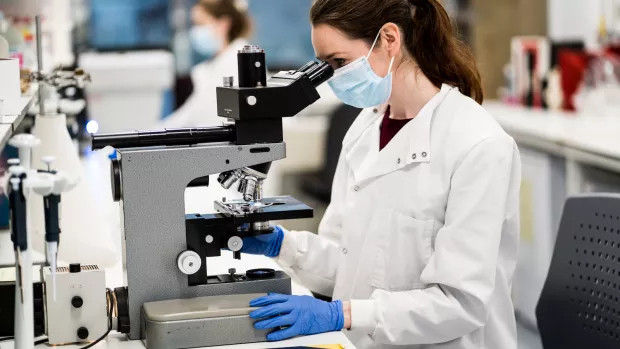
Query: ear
x,y
225,24
390,34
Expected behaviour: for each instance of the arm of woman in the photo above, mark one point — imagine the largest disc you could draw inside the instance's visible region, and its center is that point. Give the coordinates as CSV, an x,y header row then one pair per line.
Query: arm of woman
x,y
461,273
314,258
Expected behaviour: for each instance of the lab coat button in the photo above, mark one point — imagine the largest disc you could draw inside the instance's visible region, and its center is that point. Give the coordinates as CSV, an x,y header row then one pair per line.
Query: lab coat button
x,y
344,251
424,154
356,188
414,156
398,161
375,110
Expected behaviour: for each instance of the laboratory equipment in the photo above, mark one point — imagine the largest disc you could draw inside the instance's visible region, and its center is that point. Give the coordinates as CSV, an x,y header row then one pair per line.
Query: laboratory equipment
x,y
83,222
21,183
79,312
124,82
24,310
578,307
18,192
149,178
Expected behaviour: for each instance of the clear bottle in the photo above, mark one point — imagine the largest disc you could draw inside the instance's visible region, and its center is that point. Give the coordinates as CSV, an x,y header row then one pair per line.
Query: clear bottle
x,y
30,52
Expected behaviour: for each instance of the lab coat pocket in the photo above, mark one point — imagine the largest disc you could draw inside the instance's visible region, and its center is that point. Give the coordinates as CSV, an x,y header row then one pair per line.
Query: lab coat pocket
x,y
403,249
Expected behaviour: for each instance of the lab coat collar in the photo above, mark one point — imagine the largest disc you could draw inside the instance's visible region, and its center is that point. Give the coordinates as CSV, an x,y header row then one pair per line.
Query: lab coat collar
x,y
411,145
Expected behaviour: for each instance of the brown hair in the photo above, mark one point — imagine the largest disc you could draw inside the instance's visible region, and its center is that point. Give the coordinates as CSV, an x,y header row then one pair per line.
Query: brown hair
x,y
239,19
429,36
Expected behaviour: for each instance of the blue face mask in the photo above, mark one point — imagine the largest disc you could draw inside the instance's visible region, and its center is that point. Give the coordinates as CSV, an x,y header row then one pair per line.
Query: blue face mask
x,y
205,41
356,84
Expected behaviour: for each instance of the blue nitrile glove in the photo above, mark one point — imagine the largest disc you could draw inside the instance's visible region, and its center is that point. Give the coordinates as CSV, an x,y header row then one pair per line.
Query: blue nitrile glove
x,y
304,315
267,244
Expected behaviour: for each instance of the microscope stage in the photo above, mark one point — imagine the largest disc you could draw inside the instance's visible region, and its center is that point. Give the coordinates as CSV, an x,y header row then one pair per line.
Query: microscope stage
x,y
269,209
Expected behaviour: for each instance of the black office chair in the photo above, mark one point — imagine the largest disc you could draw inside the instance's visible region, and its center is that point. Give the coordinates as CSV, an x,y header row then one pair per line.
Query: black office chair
x,y
579,307
319,185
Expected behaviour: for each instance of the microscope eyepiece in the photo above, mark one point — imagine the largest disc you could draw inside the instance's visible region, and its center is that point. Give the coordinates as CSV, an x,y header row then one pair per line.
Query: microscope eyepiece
x,y
251,67
320,73
306,68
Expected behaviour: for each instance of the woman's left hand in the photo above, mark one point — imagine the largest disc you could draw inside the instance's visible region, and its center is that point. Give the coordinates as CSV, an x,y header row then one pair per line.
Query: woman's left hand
x,y
304,315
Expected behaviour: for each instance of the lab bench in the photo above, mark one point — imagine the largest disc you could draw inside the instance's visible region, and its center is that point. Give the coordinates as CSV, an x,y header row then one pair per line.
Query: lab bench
x,y
218,265
562,154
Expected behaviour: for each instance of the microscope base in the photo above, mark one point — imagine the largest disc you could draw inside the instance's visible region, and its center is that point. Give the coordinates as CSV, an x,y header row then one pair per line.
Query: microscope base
x,y
200,322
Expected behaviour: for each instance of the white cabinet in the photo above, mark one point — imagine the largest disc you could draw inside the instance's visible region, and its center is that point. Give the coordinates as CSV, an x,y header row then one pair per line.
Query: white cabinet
x,y
542,193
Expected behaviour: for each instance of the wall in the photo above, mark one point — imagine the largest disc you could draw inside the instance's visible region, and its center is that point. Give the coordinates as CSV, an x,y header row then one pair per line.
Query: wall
x,y
495,23
579,19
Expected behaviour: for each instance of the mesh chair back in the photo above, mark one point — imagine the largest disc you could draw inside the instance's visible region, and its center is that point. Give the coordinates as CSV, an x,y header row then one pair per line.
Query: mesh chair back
x,y
580,303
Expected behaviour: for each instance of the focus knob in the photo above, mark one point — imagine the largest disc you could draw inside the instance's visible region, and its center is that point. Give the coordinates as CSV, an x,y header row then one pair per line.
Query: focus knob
x,y
115,177
189,262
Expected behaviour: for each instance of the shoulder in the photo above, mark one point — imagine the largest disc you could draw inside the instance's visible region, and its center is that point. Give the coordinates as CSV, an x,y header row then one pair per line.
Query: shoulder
x,y
465,119
461,125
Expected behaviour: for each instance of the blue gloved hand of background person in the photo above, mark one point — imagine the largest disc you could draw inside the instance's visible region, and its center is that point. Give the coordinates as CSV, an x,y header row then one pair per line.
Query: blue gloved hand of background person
x,y
304,315
267,244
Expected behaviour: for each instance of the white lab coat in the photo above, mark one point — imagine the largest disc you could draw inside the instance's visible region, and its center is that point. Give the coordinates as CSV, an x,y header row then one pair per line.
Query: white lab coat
x,y
200,109
422,236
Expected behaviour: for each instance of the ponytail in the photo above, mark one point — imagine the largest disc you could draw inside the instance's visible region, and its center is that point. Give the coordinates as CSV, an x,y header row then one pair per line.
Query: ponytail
x,y
429,36
440,55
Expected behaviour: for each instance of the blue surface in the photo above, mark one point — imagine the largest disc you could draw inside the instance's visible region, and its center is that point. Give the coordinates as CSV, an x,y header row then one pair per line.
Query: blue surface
x,y
282,28
129,24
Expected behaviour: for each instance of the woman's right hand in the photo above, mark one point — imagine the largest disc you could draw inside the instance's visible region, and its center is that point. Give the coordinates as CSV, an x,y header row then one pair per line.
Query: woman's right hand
x,y
267,244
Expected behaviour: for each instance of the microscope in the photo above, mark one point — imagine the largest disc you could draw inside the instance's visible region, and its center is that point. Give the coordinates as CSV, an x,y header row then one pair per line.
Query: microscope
x,y
170,300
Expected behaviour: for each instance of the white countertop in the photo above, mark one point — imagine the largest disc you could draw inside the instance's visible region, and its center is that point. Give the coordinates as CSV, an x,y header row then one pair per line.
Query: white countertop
x,y
116,341
588,135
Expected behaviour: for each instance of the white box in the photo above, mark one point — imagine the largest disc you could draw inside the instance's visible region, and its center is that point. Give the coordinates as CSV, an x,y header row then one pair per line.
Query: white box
x,y
10,90
79,313
127,89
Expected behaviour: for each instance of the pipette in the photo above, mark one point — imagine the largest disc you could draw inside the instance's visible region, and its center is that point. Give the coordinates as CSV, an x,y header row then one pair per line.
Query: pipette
x,y
17,203
51,204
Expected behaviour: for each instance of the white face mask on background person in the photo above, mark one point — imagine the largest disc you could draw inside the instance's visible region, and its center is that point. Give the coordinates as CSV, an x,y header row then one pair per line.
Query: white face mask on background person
x,y
205,40
357,84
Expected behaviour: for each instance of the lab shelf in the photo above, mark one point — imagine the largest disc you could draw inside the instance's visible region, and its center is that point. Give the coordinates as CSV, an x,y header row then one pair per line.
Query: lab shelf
x,y
10,123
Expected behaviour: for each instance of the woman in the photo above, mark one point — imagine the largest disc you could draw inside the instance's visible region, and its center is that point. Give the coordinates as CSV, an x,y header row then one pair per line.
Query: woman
x,y
419,244
220,30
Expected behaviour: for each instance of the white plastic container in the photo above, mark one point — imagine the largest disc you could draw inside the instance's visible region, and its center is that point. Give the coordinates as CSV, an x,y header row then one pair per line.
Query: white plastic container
x,y
127,89
10,90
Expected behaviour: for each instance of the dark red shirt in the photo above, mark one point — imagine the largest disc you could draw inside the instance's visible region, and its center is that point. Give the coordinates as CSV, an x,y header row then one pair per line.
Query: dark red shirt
x,y
389,128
